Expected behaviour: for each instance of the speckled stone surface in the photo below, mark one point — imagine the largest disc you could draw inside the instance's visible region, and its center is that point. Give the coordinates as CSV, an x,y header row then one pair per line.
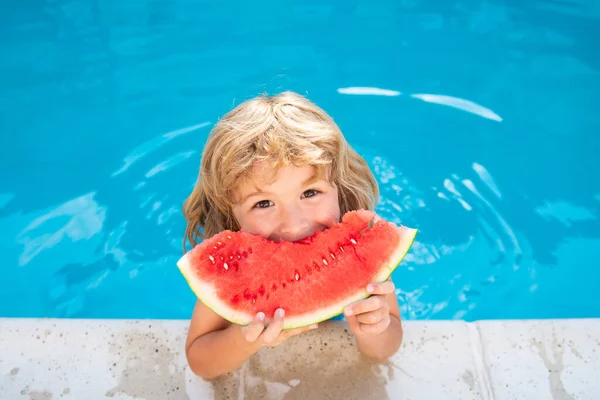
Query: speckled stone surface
x,y
98,359
551,359
91,359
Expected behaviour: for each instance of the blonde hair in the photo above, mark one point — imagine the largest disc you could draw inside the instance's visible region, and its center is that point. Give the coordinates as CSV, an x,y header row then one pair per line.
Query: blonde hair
x,y
281,130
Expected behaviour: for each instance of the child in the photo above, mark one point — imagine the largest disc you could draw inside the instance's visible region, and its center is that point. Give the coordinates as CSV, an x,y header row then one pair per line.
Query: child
x,y
280,167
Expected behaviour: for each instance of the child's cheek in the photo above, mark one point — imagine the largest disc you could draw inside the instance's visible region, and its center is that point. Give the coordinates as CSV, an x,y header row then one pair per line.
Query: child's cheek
x,y
262,226
327,211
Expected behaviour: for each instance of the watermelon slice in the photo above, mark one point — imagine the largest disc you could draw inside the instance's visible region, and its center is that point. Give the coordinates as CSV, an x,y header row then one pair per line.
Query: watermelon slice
x,y
237,274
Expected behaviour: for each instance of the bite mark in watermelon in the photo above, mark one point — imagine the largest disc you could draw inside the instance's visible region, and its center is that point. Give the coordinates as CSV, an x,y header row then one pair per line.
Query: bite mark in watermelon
x,y
237,274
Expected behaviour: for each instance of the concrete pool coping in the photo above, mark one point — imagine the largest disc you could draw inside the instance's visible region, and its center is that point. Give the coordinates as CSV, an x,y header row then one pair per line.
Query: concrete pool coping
x,y
43,359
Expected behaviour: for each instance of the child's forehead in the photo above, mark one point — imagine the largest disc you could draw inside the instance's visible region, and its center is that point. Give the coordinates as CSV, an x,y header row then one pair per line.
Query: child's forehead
x,y
263,175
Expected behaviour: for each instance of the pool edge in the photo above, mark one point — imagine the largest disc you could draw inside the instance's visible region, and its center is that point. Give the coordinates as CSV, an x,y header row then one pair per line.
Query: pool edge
x,y
491,359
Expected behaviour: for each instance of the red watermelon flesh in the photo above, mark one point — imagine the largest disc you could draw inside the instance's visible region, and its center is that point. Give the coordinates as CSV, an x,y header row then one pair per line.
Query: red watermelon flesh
x,y
238,274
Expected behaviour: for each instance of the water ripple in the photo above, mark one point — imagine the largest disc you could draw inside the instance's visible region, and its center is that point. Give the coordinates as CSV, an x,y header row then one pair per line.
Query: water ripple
x,y
476,256
485,176
77,219
364,90
170,162
151,145
564,212
445,100
460,104
506,227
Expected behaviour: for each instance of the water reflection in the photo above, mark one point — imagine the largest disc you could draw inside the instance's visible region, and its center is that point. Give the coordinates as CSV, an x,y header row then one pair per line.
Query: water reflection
x,y
112,242
460,104
450,101
485,176
564,212
78,219
170,162
358,90
152,145
460,264
84,249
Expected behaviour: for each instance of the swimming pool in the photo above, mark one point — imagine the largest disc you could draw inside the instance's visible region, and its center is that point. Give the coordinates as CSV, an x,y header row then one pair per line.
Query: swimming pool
x,y
479,119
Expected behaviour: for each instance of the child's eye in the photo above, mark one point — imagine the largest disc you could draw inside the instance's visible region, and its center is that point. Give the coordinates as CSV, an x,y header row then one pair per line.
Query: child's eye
x,y
263,204
310,193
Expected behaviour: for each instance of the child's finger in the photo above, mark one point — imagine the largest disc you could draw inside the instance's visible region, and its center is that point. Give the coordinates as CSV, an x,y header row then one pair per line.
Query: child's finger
x,y
376,328
381,288
252,331
353,324
370,304
372,317
274,329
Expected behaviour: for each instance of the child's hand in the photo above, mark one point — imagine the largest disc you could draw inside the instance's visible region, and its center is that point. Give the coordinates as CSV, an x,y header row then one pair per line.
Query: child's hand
x,y
371,316
273,335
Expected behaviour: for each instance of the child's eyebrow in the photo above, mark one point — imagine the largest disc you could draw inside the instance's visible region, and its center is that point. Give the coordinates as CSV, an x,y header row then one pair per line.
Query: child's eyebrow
x,y
256,192
250,195
312,179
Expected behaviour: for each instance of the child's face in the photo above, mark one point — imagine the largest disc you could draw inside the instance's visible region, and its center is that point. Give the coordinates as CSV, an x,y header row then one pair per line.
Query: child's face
x,y
292,207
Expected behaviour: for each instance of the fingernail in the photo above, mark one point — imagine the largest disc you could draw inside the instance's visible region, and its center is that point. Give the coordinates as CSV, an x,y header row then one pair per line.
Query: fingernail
x,y
370,288
260,316
280,313
348,311
315,326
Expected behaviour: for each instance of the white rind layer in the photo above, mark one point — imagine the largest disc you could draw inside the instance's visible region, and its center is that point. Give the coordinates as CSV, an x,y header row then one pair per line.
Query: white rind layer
x,y
208,295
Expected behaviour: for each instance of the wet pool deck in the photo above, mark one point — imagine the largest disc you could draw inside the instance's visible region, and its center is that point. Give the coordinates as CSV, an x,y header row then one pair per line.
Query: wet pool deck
x,y
43,359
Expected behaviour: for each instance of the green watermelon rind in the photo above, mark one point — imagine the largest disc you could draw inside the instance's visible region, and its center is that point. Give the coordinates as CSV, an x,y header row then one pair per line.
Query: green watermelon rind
x,y
207,294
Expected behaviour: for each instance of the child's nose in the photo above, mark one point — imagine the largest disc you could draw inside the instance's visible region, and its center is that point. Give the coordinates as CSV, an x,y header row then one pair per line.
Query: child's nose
x,y
294,224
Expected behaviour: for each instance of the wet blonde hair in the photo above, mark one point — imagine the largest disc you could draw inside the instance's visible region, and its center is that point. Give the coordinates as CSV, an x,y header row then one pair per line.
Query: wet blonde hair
x,y
282,130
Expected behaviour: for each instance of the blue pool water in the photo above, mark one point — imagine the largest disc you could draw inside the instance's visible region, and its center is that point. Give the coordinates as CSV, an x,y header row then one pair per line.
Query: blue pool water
x,y
480,120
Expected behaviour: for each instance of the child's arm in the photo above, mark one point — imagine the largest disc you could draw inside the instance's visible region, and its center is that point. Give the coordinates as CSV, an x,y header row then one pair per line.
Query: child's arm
x,y
376,322
215,347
